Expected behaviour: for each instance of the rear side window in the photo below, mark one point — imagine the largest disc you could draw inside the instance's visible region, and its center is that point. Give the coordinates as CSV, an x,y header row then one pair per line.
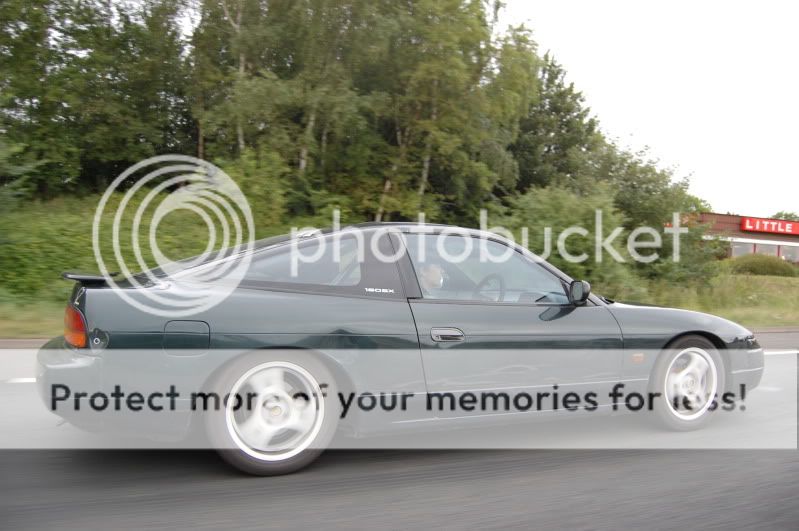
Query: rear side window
x,y
318,262
345,264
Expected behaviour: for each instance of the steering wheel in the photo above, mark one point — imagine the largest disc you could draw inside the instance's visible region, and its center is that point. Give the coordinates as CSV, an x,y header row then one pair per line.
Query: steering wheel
x,y
483,283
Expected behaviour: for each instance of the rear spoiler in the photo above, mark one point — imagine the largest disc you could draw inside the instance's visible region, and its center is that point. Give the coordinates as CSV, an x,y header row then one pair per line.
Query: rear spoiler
x,y
86,279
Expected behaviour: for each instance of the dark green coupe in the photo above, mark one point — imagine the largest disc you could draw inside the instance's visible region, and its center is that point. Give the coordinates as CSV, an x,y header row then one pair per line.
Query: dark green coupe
x,y
436,320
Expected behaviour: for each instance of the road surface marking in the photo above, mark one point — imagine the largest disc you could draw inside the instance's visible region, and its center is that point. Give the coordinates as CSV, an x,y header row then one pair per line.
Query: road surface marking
x,y
780,352
767,353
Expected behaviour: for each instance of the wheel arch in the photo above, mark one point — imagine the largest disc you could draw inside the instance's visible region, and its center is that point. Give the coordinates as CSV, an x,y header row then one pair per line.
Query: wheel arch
x,y
721,347
713,338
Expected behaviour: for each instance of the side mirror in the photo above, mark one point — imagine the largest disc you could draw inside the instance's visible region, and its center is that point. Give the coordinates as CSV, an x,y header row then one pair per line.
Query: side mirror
x,y
579,290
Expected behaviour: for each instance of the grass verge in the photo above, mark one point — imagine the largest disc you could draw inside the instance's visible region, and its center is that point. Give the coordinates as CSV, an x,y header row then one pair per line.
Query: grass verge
x,y
33,320
754,301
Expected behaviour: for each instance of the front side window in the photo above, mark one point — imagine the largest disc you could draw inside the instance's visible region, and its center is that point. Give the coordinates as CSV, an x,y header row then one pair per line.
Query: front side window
x,y
454,267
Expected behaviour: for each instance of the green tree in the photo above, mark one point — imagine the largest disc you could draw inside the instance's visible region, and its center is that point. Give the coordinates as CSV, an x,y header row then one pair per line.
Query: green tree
x,y
437,116
547,212
784,214
33,110
510,93
126,87
376,107
557,135
648,195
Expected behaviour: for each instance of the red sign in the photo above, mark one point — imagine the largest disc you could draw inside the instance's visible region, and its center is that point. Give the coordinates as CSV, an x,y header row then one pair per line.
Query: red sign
x,y
772,226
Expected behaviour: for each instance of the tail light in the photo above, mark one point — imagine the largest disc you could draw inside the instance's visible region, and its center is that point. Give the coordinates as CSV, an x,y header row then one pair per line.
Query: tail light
x,y
74,327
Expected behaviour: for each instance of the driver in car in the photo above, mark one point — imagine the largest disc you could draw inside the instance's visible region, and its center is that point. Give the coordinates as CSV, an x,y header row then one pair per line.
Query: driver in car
x,y
431,277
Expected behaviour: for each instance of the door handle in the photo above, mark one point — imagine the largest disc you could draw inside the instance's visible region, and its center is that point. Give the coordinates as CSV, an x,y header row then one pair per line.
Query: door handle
x,y
447,334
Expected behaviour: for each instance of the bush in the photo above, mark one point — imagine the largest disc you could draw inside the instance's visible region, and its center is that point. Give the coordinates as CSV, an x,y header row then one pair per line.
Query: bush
x,y
760,264
559,208
43,239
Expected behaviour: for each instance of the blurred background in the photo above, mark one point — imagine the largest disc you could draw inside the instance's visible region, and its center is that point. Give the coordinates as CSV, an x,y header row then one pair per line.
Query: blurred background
x,y
380,109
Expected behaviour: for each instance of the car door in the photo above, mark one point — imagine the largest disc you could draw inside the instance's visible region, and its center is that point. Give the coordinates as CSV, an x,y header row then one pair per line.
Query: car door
x,y
489,324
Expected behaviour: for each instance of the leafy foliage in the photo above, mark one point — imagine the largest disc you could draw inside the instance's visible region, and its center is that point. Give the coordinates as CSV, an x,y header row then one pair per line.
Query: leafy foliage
x,y
788,216
556,135
378,108
547,212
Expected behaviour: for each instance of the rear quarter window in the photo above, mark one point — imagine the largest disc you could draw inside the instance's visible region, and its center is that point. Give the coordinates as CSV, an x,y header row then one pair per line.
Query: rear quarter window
x,y
316,262
336,264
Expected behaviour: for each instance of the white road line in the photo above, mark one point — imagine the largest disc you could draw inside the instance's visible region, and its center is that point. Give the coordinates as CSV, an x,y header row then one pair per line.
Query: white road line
x,y
767,353
781,352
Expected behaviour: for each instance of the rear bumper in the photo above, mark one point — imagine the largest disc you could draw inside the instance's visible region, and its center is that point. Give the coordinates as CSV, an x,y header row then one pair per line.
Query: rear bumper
x,y
58,366
61,369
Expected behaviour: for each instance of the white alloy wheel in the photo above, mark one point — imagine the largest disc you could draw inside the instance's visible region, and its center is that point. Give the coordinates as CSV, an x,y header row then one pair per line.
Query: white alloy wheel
x,y
279,411
691,383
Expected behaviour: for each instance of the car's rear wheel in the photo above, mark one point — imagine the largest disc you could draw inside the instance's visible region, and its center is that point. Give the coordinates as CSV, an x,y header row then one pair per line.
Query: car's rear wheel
x,y
689,377
280,414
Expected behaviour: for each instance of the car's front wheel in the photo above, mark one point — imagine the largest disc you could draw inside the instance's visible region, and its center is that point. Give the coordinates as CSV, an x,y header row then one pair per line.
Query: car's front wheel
x,y
278,413
689,379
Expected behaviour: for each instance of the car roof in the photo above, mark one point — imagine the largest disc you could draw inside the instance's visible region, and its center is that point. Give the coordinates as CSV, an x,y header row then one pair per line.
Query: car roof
x,y
401,225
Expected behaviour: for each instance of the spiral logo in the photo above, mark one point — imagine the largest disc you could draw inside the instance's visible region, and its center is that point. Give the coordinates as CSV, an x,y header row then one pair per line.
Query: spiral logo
x,y
153,189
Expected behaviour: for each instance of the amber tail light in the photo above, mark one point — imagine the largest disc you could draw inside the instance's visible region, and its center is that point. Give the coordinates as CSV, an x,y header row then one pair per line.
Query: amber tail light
x,y
74,327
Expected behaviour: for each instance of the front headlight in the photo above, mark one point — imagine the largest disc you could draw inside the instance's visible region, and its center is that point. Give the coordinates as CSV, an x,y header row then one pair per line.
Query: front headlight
x,y
751,342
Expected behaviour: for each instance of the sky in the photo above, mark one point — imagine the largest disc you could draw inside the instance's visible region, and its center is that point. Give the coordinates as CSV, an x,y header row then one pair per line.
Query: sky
x,y
710,87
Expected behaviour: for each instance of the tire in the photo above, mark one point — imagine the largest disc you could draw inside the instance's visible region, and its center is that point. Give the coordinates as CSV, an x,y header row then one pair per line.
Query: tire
x,y
690,375
292,435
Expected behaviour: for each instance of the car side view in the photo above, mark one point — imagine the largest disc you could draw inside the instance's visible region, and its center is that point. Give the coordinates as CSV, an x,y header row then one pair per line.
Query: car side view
x,y
436,318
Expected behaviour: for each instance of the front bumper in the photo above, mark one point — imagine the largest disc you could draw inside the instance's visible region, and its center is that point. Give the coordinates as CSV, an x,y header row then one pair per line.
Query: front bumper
x,y
746,368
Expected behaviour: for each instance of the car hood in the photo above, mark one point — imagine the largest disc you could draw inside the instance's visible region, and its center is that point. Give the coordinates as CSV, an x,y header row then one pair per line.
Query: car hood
x,y
655,320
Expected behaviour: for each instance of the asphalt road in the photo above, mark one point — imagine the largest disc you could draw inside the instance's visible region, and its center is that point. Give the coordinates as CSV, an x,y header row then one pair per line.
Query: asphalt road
x,y
394,489
542,489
